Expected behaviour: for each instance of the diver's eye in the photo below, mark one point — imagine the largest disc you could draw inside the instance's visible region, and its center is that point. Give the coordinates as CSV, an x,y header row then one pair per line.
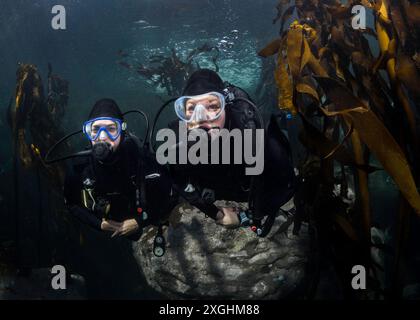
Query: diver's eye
x,y
112,129
213,107
95,129
190,108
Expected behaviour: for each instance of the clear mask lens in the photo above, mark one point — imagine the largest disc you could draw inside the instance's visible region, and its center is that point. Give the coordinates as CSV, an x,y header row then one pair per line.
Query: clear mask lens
x,y
101,128
201,108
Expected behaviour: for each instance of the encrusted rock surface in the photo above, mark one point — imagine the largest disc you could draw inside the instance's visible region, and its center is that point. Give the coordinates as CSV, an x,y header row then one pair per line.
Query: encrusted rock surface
x,y
206,260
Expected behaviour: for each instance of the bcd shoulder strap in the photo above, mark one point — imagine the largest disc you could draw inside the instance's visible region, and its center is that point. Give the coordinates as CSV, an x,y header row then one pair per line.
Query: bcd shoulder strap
x,y
135,159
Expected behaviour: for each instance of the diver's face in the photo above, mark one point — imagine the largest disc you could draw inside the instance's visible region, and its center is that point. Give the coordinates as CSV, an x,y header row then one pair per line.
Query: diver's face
x,y
210,107
103,136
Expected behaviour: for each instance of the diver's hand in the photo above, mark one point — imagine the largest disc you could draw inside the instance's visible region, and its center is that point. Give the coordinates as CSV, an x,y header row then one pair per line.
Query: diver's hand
x,y
110,225
127,228
228,217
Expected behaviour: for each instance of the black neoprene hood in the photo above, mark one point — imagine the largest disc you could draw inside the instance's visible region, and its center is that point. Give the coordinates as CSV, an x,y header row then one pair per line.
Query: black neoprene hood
x,y
105,108
203,81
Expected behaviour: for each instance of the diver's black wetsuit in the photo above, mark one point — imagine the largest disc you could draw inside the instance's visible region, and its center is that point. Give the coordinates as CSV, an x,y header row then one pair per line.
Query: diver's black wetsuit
x,y
116,183
274,187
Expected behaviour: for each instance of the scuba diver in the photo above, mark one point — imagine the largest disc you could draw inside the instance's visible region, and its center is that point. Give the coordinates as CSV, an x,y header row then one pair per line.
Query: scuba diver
x,y
117,187
210,104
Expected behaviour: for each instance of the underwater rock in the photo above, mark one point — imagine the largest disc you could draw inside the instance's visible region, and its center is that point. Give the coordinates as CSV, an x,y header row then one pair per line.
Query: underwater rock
x,y
206,260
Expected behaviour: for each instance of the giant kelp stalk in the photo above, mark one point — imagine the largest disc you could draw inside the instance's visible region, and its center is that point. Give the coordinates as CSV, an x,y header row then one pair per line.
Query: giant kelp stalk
x,y
171,72
328,75
33,121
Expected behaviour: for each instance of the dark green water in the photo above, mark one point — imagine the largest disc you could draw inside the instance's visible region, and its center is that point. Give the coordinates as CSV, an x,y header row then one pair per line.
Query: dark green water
x,y
86,54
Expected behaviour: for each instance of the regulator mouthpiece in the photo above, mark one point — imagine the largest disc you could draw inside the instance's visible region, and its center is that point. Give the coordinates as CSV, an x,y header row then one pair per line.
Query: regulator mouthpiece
x,y
101,151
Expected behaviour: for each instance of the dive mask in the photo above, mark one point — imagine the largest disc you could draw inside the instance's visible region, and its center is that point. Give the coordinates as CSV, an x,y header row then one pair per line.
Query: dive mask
x,y
99,127
200,108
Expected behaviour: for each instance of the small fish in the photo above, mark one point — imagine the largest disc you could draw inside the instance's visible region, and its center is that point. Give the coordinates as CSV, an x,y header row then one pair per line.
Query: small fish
x,y
141,22
152,176
150,27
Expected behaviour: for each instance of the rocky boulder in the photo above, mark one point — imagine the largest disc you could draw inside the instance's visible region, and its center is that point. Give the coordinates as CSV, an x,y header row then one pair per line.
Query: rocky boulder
x,y
206,261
